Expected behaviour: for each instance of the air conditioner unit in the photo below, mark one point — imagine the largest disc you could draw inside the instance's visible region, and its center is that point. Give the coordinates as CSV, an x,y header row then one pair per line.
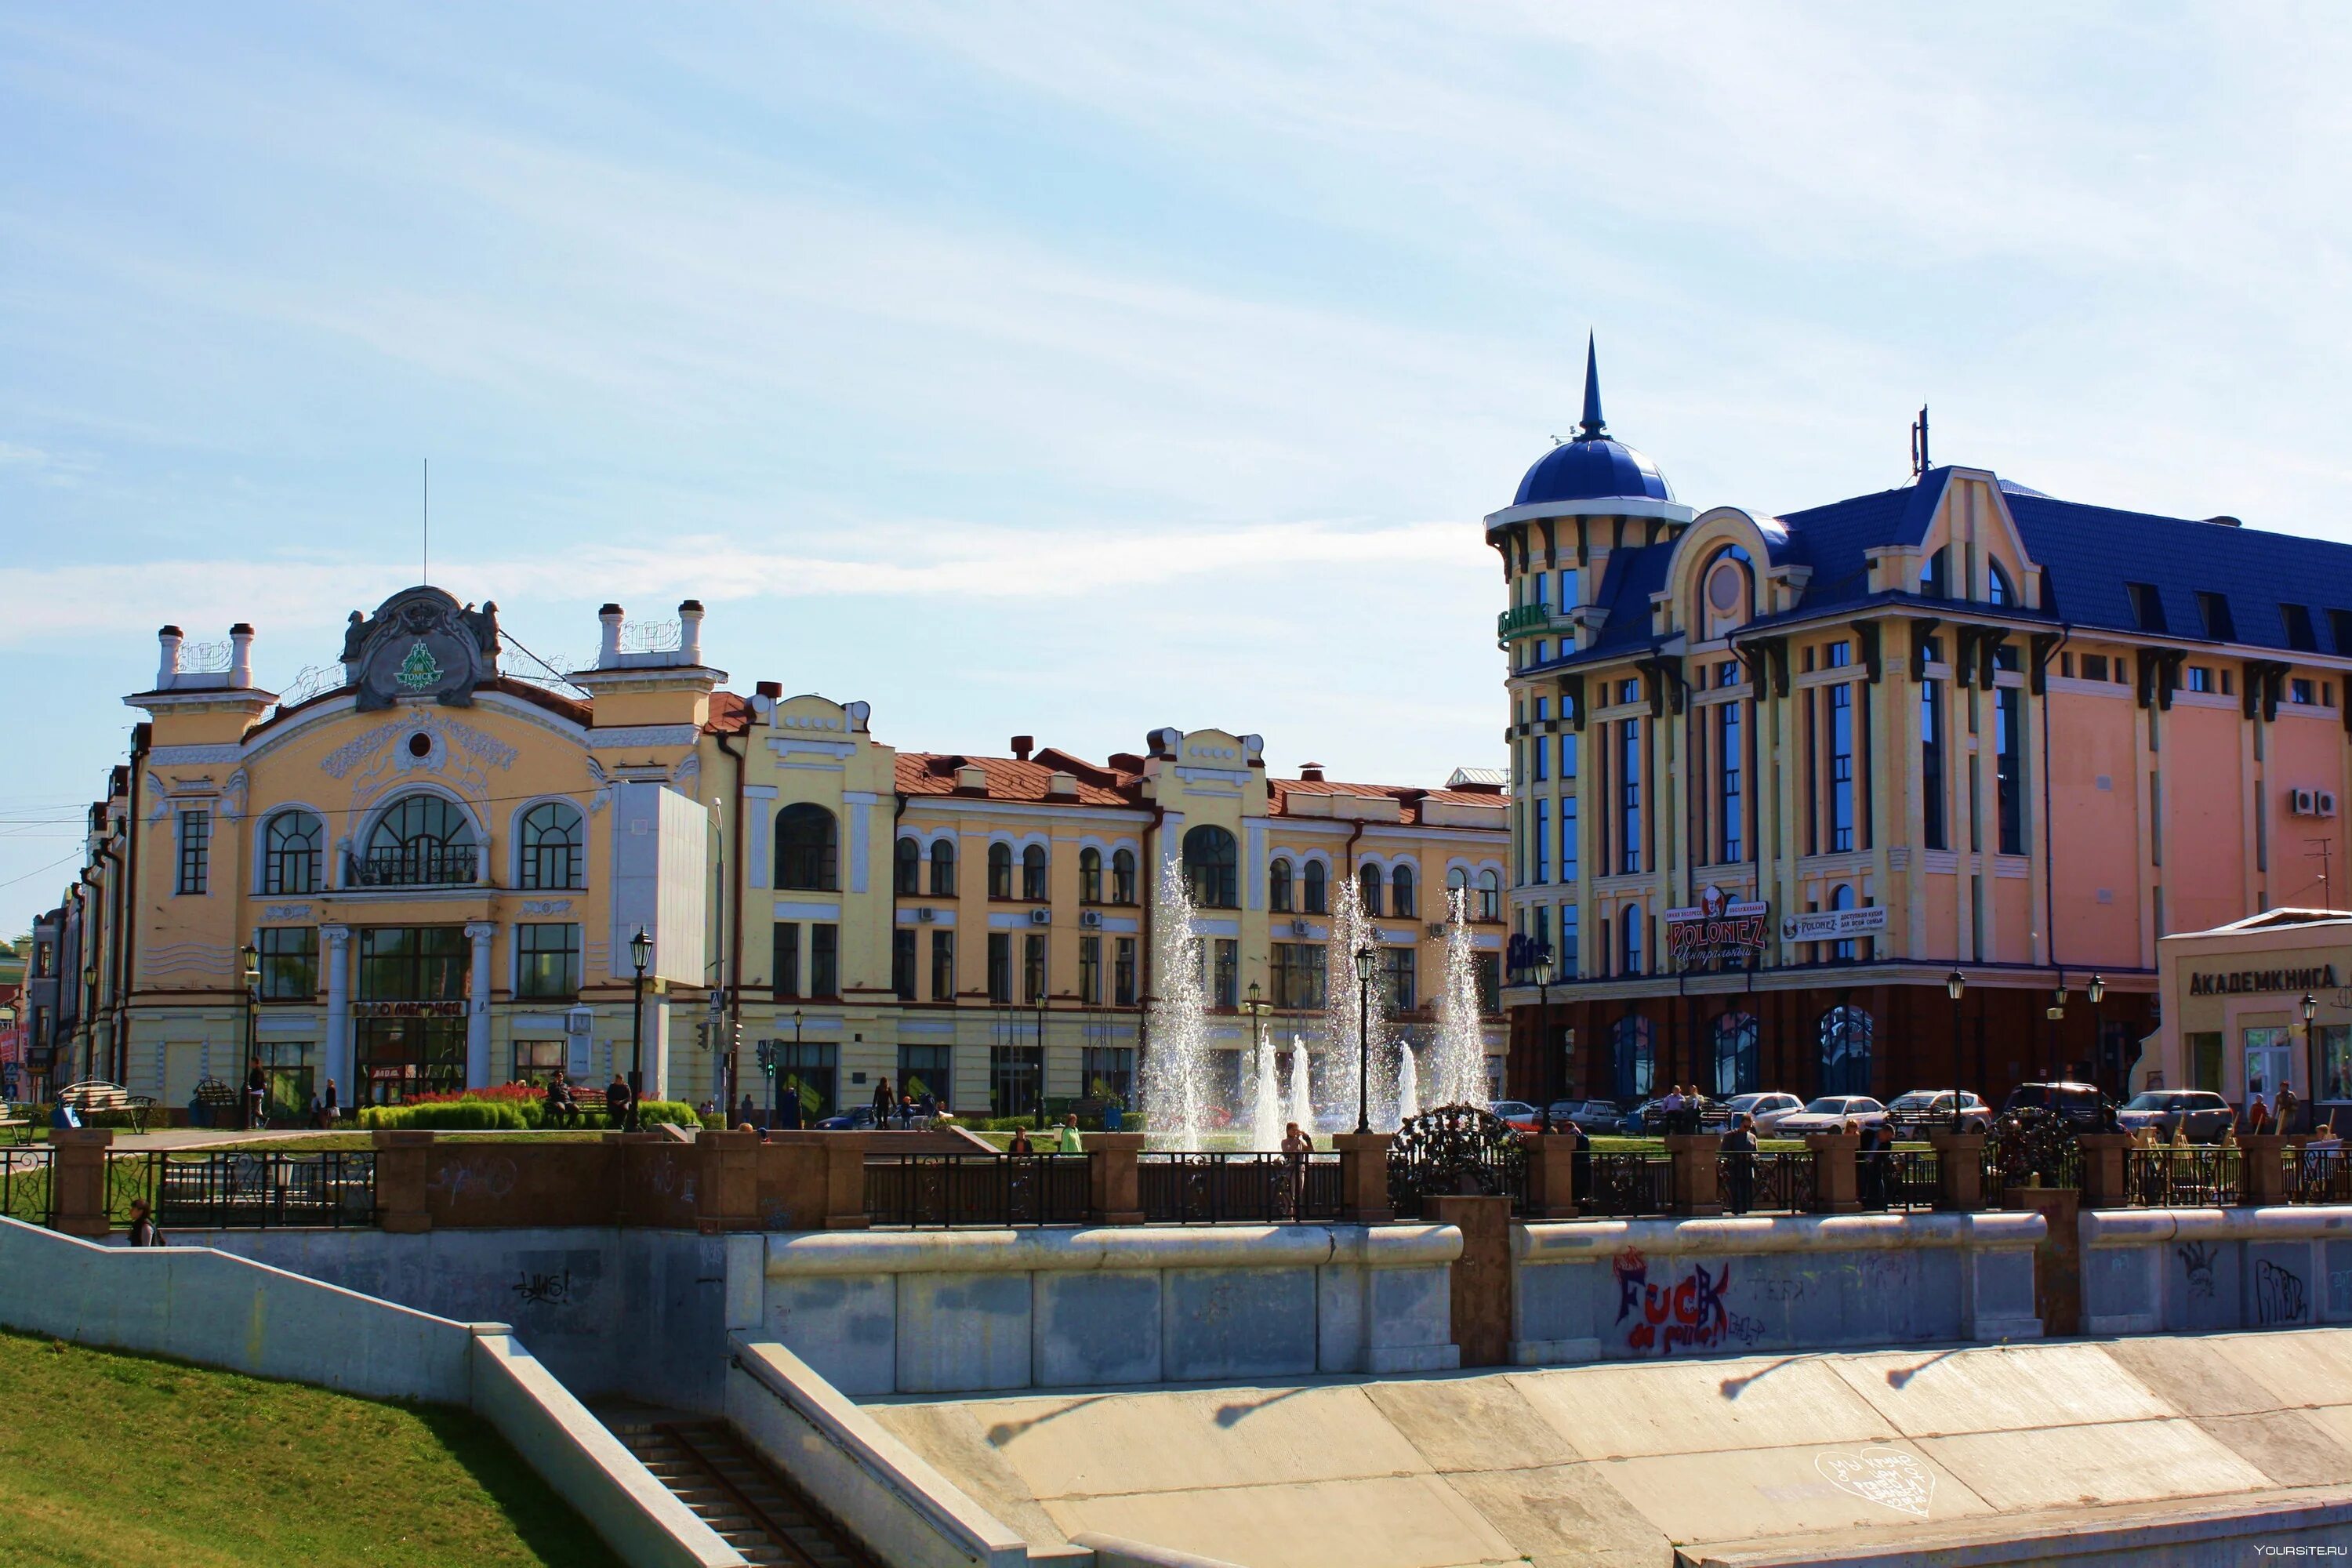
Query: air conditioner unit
x,y
2325,802
925,915
2301,803
1299,928
1090,918
1041,917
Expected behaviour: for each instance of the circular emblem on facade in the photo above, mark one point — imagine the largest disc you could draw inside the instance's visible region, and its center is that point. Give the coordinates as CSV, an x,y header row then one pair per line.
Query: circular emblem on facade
x,y
420,744
1725,588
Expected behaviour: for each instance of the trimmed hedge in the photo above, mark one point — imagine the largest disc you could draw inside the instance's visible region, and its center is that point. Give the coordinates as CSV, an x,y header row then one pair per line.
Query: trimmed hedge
x,y
507,1116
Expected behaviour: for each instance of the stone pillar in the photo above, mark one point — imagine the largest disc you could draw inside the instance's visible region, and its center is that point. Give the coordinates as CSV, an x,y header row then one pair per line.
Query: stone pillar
x,y
2058,1260
2263,1167
338,939
1834,1188
1116,1197
2104,1168
1551,1176
728,1197
402,1156
1481,1276
1959,1171
78,1179
1364,1177
478,1004
813,1181
1696,1191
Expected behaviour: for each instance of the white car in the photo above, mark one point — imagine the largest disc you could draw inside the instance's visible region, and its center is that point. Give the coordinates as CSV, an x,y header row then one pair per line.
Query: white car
x,y
1767,1109
1829,1114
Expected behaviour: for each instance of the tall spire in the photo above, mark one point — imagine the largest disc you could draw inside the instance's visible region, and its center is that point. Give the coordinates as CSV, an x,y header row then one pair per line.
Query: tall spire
x,y
1592,428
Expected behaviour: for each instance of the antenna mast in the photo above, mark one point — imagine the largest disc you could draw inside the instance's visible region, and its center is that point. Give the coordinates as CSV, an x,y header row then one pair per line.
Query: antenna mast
x,y
424,538
1919,445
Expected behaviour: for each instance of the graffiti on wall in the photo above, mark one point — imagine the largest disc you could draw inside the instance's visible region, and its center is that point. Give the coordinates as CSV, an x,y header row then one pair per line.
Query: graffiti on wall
x,y
1689,1314
2197,1258
2279,1295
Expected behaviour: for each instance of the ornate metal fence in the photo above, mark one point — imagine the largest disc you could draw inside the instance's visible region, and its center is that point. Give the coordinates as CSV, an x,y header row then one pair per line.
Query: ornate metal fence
x,y
244,1190
27,1192
1897,1179
2000,1176
1217,1188
1455,1149
1775,1183
926,1190
2184,1176
2318,1176
1621,1183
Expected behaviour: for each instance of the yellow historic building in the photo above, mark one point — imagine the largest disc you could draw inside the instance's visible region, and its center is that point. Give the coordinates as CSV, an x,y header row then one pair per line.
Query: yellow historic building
x,y
425,871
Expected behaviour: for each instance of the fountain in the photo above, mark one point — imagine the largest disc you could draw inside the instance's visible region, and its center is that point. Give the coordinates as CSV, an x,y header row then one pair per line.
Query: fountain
x,y
1300,1106
1265,1119
1179,1065
1408,1084
1351,930
1458,1068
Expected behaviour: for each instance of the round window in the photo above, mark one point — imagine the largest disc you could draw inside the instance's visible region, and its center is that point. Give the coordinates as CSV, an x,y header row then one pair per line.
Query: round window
x,y
420,744
1724,588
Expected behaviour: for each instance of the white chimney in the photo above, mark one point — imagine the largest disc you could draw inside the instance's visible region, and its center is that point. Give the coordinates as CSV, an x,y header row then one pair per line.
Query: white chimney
x,y
167,669
240,654
609,657
689,632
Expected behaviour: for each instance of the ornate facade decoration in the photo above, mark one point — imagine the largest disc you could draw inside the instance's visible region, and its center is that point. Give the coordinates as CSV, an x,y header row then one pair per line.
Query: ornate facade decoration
x,y
421,642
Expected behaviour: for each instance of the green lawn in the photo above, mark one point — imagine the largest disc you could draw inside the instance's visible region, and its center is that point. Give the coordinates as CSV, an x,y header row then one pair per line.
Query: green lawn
x,y
127,1461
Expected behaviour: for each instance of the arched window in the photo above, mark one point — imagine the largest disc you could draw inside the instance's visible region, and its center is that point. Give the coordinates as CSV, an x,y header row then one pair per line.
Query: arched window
x,y
1842,899
1735,1054
1213,868
553,847
1631,921
1723,586
1277,886
1314,901
1090,887
808,848
1400,891
1368,887
1635,1055
1122,876
290,858
1935,575
1033,873
1999,589
422,841
999,870
943,869
1845,1051
1490,896
909,867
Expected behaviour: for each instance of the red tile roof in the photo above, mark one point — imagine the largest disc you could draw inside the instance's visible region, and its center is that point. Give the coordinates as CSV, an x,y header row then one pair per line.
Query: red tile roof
x,y
1010,778
1409,797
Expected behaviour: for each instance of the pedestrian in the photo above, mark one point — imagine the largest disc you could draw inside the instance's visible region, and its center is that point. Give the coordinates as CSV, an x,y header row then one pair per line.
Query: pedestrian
x,y
1071,1142
329,1109
1670,1109
1021,1144
788,1105
1739,1155
2288,1104
928,1108
142,1227
318,1109
256,1083
884,1101
745,1114
1297,1148
620,1105
2258,1116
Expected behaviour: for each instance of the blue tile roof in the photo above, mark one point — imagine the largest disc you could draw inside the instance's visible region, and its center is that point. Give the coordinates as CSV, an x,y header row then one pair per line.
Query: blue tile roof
x,y
1601,470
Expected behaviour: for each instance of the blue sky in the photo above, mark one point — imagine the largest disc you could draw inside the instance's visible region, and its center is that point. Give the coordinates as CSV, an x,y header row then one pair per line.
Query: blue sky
x,y
1074,368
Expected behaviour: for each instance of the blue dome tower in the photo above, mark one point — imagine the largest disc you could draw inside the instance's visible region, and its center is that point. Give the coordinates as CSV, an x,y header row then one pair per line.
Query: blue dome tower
x,y
1593,467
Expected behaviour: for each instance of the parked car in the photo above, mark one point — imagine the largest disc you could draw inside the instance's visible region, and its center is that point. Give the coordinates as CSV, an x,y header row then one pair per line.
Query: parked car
x,y
2082,1105
1926,1111
1829,1114
1648,1120
856,1118
1588,1116
1767,1108
1518,1114
2208,1116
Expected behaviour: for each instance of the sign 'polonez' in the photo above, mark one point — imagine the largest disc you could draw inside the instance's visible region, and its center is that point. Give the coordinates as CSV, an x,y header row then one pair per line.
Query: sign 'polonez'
x,y
1717,929
1832,925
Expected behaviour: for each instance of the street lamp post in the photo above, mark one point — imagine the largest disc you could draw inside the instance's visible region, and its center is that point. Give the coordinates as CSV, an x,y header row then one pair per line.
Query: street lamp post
x,y
1366,957
252,956
1955,985
1258,1011
2097,992
89,1020
1543,1013
641,949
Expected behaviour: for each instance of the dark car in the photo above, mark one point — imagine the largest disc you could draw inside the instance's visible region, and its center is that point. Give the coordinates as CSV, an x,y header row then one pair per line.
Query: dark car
x,y
1649,1118
1926,1111
1588,1115
2081,1106
2207,1114
850,1121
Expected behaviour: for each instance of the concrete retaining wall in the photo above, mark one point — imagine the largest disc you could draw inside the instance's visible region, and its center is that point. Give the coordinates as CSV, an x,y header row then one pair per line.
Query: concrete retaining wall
x,y
2166,1270
949,1311
1599,1290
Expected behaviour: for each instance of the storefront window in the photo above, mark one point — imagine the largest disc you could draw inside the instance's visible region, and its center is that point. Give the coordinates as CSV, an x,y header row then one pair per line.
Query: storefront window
x,y
2203,1050
2331,1060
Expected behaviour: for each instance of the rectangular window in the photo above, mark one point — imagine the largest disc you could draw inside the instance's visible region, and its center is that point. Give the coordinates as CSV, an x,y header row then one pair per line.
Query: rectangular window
x,y
1032,967
902,963
195,851
1540,754
1841,762
1540,589
1000,966
1122,971
1564,959
1543,930
1633,924
1227,978
2094,666
1542,810
547,961
1731,779
1567,858
1090,971
2199,678
536,1061
824,960
942,966
1298,971
2331,1062
2202,1049
1931,764
1397,967
1568,755
784,968
289,962
1629,777
2214,610
2301,692
2299,628
1109,1073
414,964
2009,748
1568,588
2146,606
927,1069
2339,626
1629,691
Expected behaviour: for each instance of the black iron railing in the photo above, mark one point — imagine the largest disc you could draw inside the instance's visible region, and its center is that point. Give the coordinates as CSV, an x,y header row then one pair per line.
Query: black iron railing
x,y
1501,1172
1780,1182
244,1190
1625,1183
425,865
2000,1177
27,1192
1897,1179
2182,1177
2318,1176
1219,1188
978,1189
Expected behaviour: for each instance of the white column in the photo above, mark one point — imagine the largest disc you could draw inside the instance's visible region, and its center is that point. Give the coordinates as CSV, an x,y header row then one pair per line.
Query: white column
x,y
339,1013
478,1006
656,1044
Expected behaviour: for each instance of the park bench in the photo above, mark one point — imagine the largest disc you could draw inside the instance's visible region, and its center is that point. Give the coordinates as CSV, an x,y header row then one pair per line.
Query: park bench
x,y
17,1122
589,1102
94,1095
222,1105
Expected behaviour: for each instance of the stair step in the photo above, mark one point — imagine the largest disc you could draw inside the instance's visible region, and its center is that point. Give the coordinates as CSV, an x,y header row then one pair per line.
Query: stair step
x,y
710,1471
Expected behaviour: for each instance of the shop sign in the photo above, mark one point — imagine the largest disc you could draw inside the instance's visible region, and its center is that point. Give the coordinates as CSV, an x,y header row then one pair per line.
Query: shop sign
x,y
1717,929
408,1009
2241,982
1834,925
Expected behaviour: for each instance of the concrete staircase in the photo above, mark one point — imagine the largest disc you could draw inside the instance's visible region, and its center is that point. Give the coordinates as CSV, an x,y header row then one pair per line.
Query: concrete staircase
x,y
756,1510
